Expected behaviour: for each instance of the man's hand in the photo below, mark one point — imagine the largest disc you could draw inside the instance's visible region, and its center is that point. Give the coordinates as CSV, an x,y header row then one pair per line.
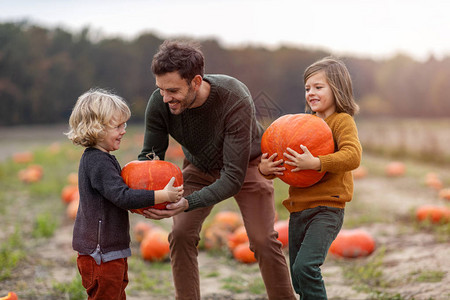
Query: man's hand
x,y
171,210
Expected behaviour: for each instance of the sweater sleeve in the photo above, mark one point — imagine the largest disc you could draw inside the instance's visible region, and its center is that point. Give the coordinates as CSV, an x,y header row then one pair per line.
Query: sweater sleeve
x,y
349,150
156,137
105,178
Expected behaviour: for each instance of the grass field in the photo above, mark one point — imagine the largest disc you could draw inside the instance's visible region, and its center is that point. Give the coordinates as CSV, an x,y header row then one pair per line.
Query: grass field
x,y
410,260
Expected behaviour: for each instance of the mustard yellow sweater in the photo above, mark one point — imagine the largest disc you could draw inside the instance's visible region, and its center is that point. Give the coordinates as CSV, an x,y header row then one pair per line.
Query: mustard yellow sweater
x,y
336,187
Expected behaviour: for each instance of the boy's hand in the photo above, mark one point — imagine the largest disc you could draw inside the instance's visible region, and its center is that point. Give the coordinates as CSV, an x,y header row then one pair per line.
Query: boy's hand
x,y
170,193
268,166
304,161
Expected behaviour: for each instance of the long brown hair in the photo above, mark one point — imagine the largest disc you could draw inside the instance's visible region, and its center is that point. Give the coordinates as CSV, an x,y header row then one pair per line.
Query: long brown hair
x,y
339,80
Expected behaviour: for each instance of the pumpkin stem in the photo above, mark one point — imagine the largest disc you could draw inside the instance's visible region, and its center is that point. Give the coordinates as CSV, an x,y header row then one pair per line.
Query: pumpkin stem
x,y
152,156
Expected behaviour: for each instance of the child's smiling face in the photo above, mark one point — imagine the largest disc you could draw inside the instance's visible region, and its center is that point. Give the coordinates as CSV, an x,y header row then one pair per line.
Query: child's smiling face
x,y
113,137
319,95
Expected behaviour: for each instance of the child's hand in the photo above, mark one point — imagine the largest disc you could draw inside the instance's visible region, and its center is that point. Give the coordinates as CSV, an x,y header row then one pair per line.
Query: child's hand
x,y
268,166
304,161
170,193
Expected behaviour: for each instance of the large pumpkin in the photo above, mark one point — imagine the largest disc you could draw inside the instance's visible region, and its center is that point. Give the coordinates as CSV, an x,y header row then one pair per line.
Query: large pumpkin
x,y
295,130
151,175
352,243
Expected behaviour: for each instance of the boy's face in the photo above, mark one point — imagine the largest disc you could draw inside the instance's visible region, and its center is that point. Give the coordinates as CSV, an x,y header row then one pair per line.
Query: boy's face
x,y
113,137
176,92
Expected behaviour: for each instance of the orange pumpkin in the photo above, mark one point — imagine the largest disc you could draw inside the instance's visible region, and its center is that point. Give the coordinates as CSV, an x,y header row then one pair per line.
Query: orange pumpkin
x,y
238,237
155,245
282,227
32,173
215,236
151,175
242,253
352,243
140,230
229,219
444,194
434,213
292,131
10,296
395,169
72,208
69,193
23,157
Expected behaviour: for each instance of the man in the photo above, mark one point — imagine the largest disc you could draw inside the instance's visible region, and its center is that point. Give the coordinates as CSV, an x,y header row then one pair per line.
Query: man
x,y
213,118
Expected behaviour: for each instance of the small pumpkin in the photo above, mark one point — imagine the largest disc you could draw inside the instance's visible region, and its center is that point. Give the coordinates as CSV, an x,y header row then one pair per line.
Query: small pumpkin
x,y
215,236
155,245
395,169
444,194
69,193
282,227
243,254
291,131
23,157
10,296
239,236
151,175
72,208
352,243
141,229
434,213
32,173
228,218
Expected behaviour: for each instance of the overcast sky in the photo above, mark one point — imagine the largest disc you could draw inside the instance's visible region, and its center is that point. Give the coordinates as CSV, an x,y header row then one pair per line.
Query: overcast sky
x,y
367,28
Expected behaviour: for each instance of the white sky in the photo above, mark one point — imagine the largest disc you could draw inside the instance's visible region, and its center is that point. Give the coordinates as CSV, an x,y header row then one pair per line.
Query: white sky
x,y
367,28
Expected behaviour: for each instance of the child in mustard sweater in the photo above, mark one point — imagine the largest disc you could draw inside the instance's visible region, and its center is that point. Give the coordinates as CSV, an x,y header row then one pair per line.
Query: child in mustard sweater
x,y
317,212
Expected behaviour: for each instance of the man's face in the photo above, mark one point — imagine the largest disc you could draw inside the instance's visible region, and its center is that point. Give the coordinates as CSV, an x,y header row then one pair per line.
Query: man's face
x,y
176,92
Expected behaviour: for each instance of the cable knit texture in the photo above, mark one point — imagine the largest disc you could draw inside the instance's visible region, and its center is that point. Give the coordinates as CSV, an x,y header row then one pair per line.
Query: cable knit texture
x,y
336,187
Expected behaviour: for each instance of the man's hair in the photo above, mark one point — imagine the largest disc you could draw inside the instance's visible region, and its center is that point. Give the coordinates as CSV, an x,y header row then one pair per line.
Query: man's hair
x,y
183,57
94,112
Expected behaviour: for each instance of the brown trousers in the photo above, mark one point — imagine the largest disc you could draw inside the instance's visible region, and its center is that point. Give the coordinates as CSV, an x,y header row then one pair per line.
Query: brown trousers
x,y
256,202
106,281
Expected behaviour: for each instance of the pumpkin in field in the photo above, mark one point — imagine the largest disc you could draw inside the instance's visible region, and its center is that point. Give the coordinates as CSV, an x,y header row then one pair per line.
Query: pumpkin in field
x,y
242,253
155,245
434,213
69,193
151,175
229,219
72,178
444,194
395,169
141,229
282,227
215,236
72,208
292,131
32,173
23,157
10,296
239,236
352,243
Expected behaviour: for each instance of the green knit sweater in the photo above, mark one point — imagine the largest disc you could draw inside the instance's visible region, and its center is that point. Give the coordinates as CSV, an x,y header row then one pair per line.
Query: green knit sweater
x,y
220,136
336,187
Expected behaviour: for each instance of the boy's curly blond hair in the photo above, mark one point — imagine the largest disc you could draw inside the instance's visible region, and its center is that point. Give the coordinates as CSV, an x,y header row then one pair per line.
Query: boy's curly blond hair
x,y
94,111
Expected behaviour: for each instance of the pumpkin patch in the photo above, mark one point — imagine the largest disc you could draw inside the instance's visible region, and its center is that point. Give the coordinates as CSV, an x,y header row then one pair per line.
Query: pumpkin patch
x,y
352,243
433,213
292,131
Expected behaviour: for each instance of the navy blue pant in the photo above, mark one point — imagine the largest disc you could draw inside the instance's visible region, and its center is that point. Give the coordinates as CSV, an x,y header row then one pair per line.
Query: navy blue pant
x,y
311,233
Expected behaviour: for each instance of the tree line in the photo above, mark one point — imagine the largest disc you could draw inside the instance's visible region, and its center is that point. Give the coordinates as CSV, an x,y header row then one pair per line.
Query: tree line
x,y
43,71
